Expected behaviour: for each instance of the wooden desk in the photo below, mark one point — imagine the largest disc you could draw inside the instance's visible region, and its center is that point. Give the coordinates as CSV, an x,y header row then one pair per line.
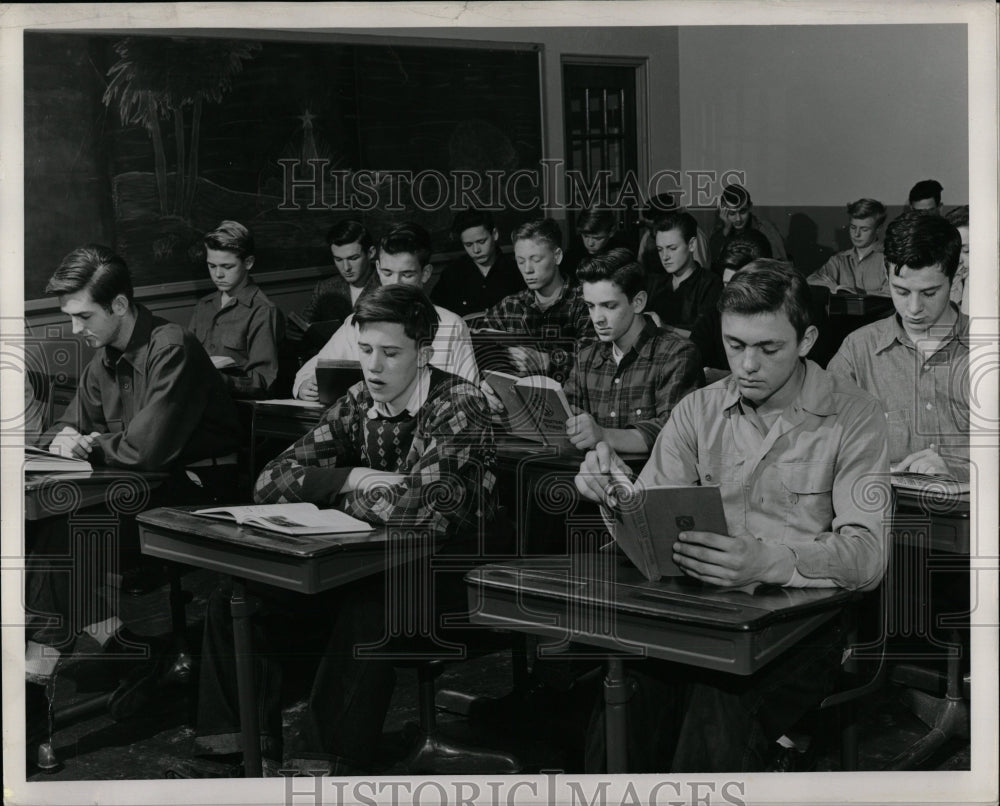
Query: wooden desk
x,y
307,564
602,600
935,527
50,494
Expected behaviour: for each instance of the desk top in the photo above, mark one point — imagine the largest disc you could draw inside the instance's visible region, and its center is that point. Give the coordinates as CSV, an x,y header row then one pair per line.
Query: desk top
x,y
181,520
511,449
50,494
304,563
601,600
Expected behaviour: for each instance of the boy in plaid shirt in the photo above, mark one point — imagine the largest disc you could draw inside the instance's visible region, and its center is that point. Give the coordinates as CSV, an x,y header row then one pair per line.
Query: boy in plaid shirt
x,y
551,307
409,448
625,384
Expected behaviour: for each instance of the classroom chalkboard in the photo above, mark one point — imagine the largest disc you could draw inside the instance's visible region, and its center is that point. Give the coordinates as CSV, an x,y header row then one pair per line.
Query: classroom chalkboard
x,y
147,142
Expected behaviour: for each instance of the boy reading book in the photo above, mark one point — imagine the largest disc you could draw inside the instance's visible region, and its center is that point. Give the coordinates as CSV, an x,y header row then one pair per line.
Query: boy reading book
x,y
625,384
791,448
550,308
916,362
484,275
596,233
860,269
404,255
410,449
237,324
353,253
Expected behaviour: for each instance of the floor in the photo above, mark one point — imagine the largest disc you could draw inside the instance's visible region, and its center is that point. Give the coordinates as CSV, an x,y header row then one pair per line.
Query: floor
x,y
145,746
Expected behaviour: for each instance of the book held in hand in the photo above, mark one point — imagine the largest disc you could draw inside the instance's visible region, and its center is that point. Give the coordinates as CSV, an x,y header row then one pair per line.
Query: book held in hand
x,y
648,520
535,407
930,483
289,519
37,460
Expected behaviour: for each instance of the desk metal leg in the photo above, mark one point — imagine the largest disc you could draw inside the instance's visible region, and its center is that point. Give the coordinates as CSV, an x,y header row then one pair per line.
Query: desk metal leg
x,y
181,668
616,696
241,610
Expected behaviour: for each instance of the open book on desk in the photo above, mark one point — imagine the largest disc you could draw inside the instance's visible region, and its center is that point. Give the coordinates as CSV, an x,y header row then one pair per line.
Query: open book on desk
x,y
648,520
930,483
37,460
535,407
289,519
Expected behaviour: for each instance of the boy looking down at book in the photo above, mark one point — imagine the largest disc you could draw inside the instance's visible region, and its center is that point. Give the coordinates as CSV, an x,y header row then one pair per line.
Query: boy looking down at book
x,y
403,258
239,327
625,384
860,269
484,275
148,401
409,448
792,448
550,308
353,253
687,289
916,362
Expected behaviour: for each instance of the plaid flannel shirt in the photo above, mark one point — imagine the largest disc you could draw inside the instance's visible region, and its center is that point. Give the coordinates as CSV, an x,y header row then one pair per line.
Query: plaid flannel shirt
x,y
450,466
640,392
567,318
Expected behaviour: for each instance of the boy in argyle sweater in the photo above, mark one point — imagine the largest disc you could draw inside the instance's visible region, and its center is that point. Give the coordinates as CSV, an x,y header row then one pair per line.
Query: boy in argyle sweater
x,y
409,448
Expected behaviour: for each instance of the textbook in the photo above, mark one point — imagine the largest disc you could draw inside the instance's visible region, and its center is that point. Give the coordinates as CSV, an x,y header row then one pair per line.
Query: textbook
x,y
37,460
289,519
929,483
849,302
648,521
335,376
222,362
535,407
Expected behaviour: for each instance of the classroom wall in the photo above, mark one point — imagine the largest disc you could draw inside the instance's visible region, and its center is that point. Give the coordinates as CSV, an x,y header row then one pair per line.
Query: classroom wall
x,y
818,116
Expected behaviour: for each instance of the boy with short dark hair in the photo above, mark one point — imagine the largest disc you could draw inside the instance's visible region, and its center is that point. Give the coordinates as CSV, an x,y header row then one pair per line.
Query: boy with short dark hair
x,y
625,384
403,258
792,449
925,197
408,448
860,269
916,362
484,275
688,290
597,232
551,307
735,216
239,327
353,253
959,217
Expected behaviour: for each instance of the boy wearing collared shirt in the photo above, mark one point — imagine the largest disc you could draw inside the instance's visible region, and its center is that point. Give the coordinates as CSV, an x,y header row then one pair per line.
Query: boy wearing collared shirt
x,y
688,290
550,308
353,253
238,325
626,384
916,362
860,269
409,448
791,448
484,275
403,258
149,400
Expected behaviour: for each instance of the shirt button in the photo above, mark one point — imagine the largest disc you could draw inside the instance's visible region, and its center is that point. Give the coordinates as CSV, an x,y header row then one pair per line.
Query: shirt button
x,y
612,414
126,385
638,411
708,477
618,380
930,406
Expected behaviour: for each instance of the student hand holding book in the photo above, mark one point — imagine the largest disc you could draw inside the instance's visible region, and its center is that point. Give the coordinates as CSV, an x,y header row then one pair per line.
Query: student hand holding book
x,y
927,461
603,476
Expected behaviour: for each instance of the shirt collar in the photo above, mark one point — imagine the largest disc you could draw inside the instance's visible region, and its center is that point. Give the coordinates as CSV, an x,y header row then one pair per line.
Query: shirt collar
x,y
563,291
815,396
890,330
643,344
870,250
244,296
136,350
421,389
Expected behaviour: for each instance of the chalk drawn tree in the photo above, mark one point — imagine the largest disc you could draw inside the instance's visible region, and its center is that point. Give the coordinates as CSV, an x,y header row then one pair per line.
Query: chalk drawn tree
x,y
160,78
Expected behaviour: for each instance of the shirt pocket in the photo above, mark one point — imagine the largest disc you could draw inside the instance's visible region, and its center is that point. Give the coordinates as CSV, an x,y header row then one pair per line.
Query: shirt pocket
x,y
235,342
806,496
899,426
720,471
